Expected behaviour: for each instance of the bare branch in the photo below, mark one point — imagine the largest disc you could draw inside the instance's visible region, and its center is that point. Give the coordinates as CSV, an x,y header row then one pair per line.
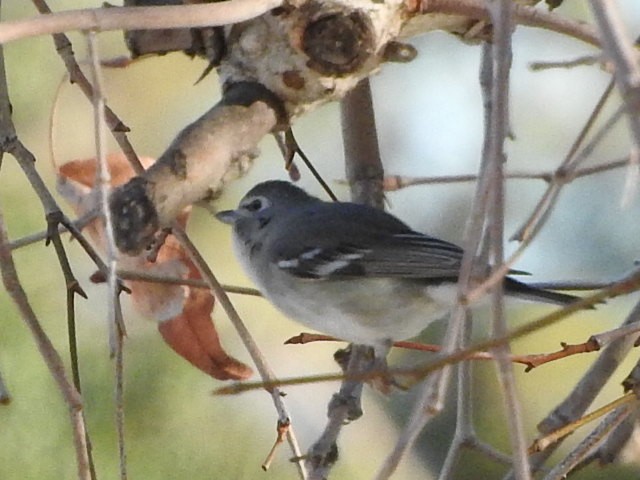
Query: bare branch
x,y
397,182
102,184
433,392
137,18
595,438
364,172
623,287
267,375
609,450
585,60
79,223
151,277
201,160
9,142
497,130
47,350
588,387
359,136
76,75
541,443
522,15
618,46
543,209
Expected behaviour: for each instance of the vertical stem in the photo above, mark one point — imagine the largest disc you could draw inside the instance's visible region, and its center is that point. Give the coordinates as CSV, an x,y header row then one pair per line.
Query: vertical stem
x,y
47,350
363,163
103,184
365,174
496,132
258,358
618,46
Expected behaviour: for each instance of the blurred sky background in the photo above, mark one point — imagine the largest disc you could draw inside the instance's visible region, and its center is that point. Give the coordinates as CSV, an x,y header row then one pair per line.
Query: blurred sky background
x,y
430,123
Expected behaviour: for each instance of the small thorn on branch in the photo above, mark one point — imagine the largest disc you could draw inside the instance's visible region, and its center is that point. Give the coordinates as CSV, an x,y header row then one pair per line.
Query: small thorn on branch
x,y
535,360
530,361
54,220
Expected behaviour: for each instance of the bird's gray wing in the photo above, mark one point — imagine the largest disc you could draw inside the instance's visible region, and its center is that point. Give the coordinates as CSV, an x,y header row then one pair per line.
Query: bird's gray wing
x,y
404,255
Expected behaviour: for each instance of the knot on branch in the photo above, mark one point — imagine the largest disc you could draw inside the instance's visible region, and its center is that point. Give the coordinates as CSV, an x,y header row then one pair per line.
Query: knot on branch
x,y
322,458
349,403
338,43
135,219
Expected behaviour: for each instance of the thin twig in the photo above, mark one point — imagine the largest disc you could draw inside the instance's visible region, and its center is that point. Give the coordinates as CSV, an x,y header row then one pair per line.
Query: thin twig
x,y
142,276
267,375
540,444
54,217
625,286
585,60
102,184
464,435
532,360
620,48
589,386
282,430
47,350
570,161
190,16
522,15
596,437
77,76
119,388
397,182
543,209
290,144
432,394
611,448
27,240
618,45
497,130
364,172
26,160
488,451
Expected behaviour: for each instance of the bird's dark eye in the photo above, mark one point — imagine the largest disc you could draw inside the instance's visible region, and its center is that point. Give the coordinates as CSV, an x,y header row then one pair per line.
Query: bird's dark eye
x,y
254,205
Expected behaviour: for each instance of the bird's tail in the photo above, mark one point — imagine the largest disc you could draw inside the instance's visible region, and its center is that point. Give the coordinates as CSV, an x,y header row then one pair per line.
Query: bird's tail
x,y
525,292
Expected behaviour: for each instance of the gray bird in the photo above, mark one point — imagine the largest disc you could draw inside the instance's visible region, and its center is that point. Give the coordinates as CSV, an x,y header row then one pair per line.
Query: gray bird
x,y
349,270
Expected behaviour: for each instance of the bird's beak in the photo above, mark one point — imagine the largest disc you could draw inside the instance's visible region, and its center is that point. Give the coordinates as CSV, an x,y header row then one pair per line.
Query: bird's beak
x,y
229,217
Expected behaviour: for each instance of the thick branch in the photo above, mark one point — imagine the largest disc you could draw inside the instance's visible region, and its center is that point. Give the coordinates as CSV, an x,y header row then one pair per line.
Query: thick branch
x,y
365,176
204,156
138,18
365,173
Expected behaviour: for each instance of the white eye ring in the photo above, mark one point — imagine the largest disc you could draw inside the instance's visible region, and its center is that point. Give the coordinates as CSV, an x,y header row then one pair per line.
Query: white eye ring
x,y
255,204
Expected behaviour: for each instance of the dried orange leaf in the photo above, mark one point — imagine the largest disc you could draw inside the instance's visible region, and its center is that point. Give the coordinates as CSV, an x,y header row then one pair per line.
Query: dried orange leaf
x,y
183,313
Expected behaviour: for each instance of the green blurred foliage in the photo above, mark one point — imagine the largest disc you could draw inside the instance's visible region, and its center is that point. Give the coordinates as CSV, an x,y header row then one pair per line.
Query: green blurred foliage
x,y
429,117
